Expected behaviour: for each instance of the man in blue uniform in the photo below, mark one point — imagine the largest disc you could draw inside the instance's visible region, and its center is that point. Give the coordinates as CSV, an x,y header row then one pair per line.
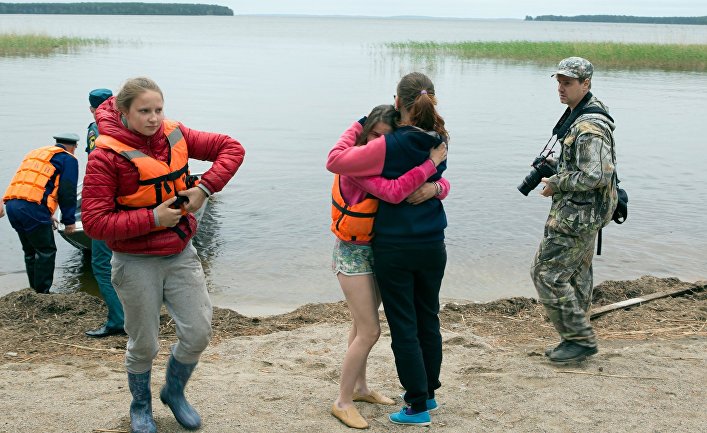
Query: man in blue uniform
x,y
45,180
100,253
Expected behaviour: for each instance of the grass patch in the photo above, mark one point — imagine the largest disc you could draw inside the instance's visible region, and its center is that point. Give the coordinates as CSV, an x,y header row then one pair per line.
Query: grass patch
x,y
25,45
669,57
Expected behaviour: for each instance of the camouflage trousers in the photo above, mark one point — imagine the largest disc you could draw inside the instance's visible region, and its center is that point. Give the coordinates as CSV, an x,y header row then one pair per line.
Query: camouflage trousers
x,y
562,274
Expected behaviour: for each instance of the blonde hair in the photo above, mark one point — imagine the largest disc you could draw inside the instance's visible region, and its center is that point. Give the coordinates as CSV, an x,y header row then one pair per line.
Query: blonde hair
x,y
132,88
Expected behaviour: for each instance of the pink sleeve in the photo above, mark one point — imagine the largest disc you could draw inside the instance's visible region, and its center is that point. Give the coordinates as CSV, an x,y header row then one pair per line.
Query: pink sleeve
x,y
349,160
444,183
397,190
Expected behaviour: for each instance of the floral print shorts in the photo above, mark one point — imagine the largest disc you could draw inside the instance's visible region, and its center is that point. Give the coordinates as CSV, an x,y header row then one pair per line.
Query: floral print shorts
x,y
352,259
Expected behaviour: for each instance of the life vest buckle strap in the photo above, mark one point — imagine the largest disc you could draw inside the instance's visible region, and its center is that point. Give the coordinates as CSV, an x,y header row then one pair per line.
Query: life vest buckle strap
x,y
346,211
167,177
158,194
126,207
179,231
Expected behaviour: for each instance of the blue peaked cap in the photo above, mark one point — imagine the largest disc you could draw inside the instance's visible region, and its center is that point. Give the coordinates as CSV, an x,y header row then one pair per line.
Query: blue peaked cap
x,y
97,96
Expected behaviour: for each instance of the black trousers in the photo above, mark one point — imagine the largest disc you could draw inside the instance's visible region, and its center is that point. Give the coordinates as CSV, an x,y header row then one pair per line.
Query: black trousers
x,y
409,277
40,253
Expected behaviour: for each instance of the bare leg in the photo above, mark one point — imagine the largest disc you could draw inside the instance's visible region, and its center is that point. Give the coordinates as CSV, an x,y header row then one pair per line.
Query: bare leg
x,y
362,299
361,386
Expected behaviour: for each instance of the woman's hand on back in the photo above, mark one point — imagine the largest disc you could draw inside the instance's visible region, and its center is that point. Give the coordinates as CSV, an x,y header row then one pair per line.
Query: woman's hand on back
x,y
423,193
438,154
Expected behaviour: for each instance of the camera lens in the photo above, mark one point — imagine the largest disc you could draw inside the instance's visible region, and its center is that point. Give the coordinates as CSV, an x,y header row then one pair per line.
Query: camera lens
x,y
530,182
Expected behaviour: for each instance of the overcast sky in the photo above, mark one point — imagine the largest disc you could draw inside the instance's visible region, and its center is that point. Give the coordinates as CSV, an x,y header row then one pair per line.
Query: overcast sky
x,y
451,8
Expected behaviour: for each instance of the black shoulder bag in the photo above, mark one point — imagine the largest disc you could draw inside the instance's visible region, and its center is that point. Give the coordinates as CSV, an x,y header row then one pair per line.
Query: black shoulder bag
x,y
621,211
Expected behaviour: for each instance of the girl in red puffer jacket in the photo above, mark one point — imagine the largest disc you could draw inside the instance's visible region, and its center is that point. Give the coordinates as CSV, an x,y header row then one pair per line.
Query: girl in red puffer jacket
x,y
133,198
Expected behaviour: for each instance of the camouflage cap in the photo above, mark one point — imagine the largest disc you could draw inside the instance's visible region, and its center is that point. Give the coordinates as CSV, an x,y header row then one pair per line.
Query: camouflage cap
x,y
575,67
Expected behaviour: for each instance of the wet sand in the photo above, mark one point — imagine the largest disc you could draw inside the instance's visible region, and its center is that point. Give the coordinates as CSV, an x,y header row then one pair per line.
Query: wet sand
x,y
280,373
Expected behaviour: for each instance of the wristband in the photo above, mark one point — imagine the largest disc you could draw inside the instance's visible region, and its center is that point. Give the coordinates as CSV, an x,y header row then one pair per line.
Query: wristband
x,y
157,218
438,188
204,190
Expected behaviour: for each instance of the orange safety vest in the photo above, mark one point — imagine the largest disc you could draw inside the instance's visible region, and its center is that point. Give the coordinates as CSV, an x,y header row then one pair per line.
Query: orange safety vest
x,y
158,181
352,222
30,181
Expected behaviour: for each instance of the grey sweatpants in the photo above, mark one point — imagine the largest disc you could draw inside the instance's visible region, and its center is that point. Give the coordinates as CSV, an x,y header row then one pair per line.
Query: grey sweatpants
x,y
143,282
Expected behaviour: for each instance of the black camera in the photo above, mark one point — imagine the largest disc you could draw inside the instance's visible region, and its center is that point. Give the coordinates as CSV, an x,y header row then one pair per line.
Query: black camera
x,y
541,168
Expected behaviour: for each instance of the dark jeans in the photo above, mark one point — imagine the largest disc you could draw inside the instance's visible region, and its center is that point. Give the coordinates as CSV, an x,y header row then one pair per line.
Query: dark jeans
x,y
40,253
409,277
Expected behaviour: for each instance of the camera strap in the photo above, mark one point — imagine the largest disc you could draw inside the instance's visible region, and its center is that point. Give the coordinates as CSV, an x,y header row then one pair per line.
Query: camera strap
x,y
569,116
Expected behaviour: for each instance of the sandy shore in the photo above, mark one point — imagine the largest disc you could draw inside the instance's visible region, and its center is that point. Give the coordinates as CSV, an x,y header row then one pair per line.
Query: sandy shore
x,y
280,373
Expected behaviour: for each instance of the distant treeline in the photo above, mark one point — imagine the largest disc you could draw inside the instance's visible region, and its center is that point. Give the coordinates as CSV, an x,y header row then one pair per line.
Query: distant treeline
x,y
621,19
114,9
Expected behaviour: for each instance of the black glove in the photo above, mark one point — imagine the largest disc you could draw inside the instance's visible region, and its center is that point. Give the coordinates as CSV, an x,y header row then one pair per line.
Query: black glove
x,y
362,120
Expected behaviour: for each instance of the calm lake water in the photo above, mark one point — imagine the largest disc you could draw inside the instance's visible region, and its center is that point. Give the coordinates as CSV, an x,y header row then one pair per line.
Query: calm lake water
x,y
286,87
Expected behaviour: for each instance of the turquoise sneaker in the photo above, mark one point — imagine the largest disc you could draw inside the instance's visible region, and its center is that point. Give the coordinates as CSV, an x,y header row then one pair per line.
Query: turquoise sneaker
x,y
430,402
408,417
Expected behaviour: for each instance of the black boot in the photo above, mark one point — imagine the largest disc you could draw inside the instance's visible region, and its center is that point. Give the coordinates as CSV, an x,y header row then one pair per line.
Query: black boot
x,y
40,244
549,350
141,420
29,268
571,351
172,394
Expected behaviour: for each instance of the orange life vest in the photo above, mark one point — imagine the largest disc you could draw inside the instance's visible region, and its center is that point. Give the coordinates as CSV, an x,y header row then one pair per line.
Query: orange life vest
x,y
352,222
158,181
30,181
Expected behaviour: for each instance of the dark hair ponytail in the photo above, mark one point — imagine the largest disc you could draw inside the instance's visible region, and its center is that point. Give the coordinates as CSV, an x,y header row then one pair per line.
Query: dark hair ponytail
x,y
417,94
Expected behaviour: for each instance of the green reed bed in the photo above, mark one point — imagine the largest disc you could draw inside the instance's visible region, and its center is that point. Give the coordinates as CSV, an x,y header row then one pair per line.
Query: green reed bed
x,y
21,45
672,57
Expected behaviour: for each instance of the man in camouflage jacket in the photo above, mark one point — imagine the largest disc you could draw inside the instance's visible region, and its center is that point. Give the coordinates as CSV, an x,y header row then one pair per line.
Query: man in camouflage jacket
x,y
583,200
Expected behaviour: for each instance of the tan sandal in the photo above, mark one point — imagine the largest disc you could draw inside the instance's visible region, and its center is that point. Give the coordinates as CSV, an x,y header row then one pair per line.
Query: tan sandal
x,y
349,416
374,397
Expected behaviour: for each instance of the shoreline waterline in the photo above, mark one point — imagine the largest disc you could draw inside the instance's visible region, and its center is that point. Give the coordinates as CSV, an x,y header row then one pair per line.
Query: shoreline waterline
x,y
271,310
